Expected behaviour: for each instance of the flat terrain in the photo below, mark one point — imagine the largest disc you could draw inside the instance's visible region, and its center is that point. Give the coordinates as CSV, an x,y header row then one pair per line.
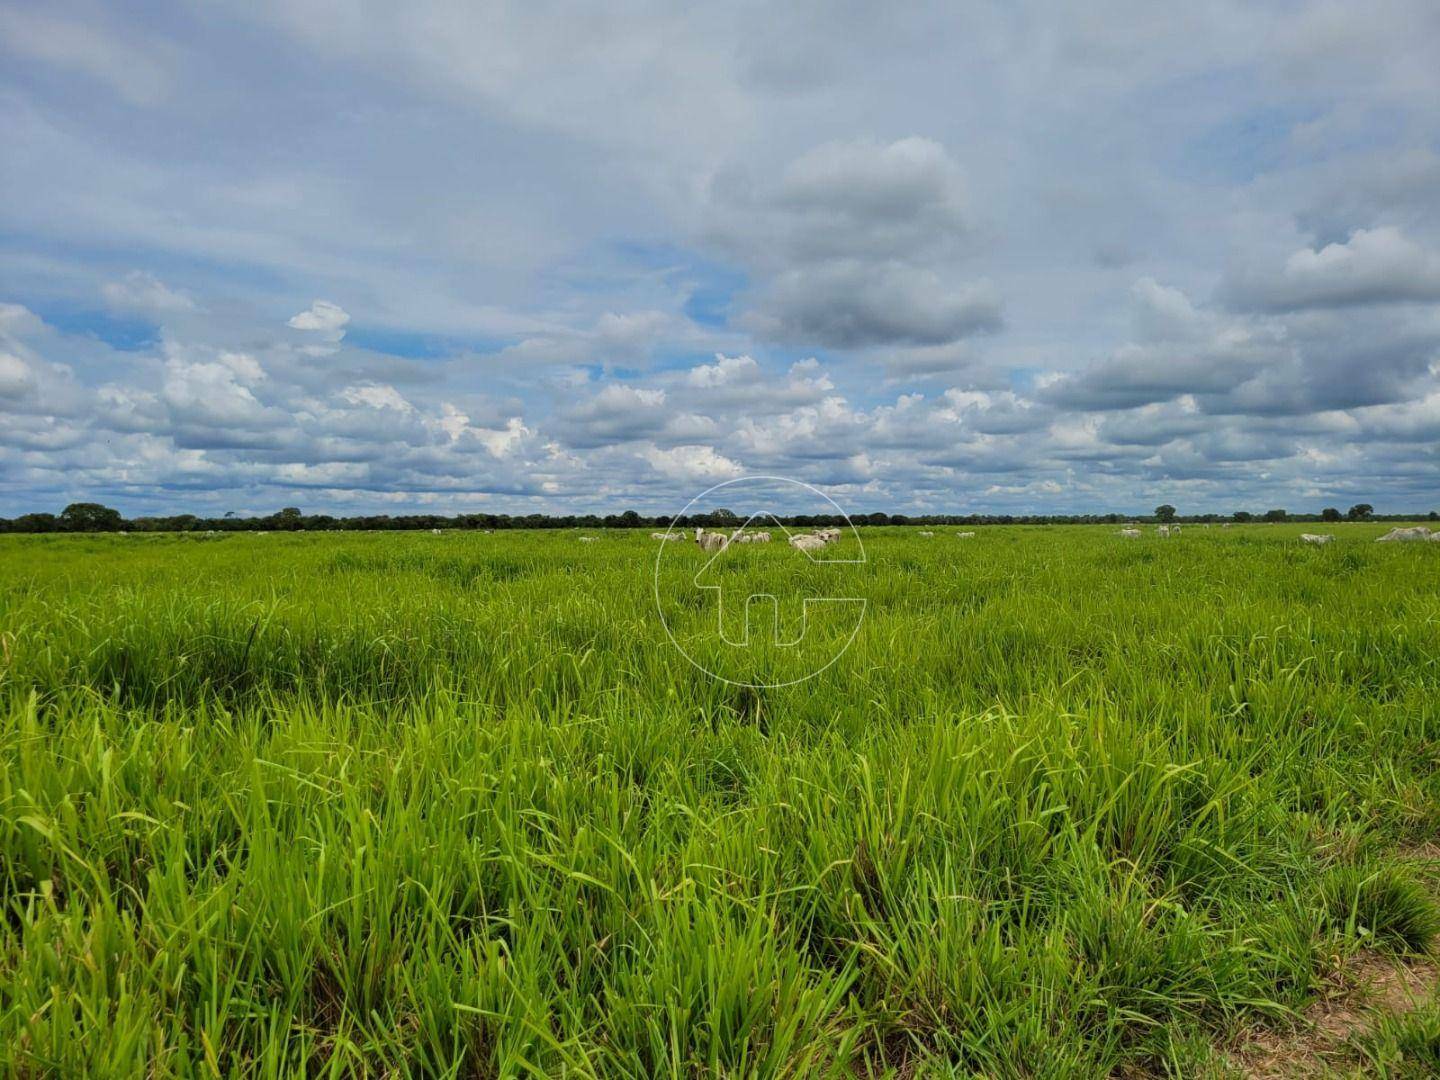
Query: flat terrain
x,y
1071,805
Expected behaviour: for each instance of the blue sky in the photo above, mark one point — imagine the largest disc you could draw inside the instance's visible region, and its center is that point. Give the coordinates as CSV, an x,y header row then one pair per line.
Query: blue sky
x,y
953,257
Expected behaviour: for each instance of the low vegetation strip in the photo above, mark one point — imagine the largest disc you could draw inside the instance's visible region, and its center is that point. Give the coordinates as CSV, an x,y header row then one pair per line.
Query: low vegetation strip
x,y
404,805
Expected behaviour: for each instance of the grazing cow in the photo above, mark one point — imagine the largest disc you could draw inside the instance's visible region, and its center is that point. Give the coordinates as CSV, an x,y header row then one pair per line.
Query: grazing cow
x,y
1163,530
806,542
586,539
1419,532
750,538
1224,524
1316,538
667,536
828,535
711,541
1174,530
924,533
965,535
434,532
1131,533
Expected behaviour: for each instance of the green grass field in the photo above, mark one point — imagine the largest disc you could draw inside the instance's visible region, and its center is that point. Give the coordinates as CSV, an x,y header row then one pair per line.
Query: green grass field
x,y
415,805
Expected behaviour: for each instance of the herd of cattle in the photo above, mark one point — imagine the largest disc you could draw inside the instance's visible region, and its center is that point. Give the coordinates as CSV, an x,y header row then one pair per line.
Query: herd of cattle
x,y
710,540
718,541
1160,530
1398,534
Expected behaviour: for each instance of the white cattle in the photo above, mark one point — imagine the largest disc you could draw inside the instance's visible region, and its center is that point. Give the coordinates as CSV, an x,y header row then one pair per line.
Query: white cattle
x,y
1419,532
1163,530
926,533
667,536
828,535
964,535
434,532
806,542
1131,533
1317,538
711,541
1224,524
586,539
750,538
1174,530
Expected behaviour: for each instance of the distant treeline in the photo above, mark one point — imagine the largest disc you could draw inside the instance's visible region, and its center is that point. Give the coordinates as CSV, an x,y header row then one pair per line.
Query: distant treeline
x,y
93,517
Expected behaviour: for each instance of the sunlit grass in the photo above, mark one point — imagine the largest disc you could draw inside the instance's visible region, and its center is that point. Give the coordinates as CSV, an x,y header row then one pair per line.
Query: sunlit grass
x,y
455,805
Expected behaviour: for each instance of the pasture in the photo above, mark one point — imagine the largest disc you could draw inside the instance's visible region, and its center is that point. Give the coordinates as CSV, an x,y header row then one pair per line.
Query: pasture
x,y
1071,805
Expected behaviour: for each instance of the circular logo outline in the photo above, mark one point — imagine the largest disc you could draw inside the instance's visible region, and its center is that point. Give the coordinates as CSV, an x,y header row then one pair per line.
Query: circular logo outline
x,y
863,560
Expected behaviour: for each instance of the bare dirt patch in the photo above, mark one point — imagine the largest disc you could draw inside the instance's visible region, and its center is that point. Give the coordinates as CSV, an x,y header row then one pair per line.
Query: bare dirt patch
x,y
1320,1042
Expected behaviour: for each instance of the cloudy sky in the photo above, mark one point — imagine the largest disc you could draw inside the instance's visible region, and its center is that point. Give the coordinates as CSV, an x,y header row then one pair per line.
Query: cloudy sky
x,y
518,257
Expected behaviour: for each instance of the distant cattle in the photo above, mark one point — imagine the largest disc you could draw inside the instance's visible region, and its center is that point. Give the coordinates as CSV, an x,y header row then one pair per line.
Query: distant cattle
x,y
667,536
711,541
586,539
1419,532
1163,530
742,537
1131,533
1174,530
434,532
1316,538
828,535
924,532
807,542
964,535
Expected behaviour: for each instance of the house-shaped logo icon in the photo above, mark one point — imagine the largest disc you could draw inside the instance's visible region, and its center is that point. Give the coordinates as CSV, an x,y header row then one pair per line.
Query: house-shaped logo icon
x,y
780,620
763,601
